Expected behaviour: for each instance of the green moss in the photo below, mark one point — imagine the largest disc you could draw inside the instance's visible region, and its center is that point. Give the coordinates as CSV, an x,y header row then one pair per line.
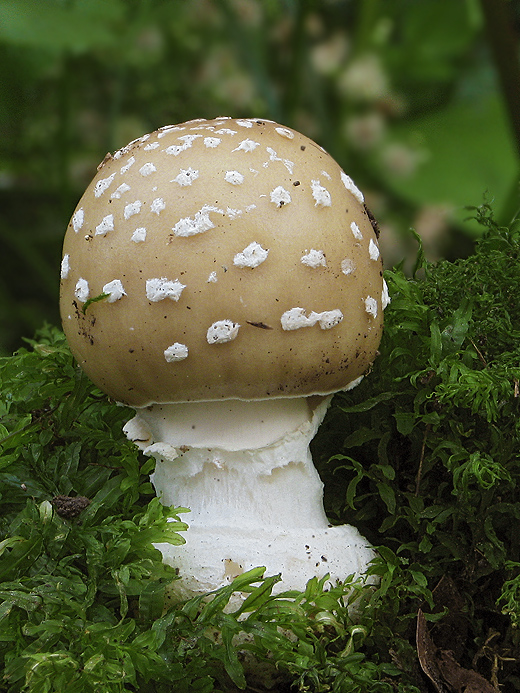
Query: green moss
x,y
424,456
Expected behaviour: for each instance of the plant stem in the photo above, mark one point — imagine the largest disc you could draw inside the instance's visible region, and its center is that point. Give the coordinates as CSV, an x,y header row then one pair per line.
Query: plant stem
x,y
503,40
421,461
298,66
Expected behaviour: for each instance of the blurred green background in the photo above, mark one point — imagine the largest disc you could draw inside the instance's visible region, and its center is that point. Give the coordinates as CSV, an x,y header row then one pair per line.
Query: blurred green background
x,y
414,98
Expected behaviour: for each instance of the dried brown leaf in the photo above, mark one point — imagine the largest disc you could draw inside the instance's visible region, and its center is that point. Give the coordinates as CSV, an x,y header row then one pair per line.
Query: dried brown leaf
x,y
445,673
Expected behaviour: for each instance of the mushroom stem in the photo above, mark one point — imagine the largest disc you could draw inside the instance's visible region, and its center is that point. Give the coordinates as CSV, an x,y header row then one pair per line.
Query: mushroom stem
x,y
239,463
245,471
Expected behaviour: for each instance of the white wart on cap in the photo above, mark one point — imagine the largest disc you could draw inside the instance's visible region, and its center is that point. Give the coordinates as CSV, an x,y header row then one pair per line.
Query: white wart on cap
x,y
235,260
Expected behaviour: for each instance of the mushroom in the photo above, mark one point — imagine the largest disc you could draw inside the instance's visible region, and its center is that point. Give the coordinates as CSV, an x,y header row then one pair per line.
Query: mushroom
x,y
223,278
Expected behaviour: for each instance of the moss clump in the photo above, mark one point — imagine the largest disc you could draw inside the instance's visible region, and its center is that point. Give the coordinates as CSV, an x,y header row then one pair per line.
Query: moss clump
x,y
429,446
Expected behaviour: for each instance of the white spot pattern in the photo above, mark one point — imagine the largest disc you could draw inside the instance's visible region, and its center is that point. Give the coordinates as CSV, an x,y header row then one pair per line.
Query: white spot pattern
x,y
285,132
347,266
321,195
280,196
82,290
103,184
273,156
373,250
77,219
106,225
169,128
352,187
128,165
295,318
176,352
371,306
115,290
139,235
385,296
329,318
252,256
187,142
157,289
233,213
234,177
247,146
356,231
65,266
186,176
314,259
199,223
132,208
124,187
147,169
222,331
157,205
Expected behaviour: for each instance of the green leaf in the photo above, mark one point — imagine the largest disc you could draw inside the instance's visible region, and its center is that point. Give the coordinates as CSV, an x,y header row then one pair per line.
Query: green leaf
x,y
56,27
23,600
233,667
405,422
353,484
480,130
94,299
258,596
387,495
367,404
151,601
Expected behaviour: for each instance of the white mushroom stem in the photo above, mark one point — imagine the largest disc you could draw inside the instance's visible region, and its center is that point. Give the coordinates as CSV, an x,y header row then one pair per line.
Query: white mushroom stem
x,y
238,463
245,471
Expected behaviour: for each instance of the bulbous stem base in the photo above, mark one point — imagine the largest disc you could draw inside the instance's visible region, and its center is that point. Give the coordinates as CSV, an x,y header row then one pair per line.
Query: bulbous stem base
x,y
245,471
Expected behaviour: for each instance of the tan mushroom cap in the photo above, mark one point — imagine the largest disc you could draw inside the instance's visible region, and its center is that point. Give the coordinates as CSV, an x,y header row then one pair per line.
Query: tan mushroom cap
x,y
237,261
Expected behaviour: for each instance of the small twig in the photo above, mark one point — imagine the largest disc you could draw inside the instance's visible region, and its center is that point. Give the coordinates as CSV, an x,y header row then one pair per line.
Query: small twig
x,y
104,466
479,353
30,423
421,461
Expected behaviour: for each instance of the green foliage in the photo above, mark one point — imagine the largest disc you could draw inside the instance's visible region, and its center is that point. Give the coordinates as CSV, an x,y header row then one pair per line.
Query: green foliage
x,y
78,591
429,461
509,599
311,641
